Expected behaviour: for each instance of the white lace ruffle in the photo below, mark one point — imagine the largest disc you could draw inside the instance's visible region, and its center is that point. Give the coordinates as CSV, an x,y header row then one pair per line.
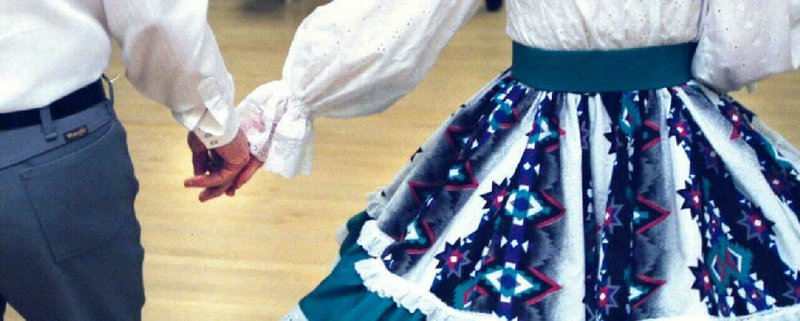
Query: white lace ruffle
x,y
409,296
341,233
280,133
412,298
777,314
376,203
373,240
295,315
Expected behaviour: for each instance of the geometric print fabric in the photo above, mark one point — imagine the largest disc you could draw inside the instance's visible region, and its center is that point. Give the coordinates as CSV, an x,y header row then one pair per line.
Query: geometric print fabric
x,y
504,267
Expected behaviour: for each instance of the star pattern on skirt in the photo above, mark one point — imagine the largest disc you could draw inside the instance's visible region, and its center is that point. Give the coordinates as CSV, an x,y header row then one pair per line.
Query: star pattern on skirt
x,y
453,260
757,227
497,196
702,280
611,219
607,297
692,198
794,290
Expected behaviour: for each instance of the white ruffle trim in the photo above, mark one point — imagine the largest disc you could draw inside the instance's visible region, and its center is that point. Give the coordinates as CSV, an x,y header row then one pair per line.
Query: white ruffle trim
x,y
278,128
407,295
342,233
373,240
412,298
376,203
295,315
778,314
377,279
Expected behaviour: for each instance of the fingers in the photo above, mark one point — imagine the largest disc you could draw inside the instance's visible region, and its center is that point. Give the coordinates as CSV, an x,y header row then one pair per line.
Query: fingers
x,y
200,162
245,176
235,153
247,173
200,157
233,157
230,192
211,193
195,144
223,177
222,170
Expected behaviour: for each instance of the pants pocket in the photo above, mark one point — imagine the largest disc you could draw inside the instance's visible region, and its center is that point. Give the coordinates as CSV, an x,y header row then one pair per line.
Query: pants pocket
x,y
82,199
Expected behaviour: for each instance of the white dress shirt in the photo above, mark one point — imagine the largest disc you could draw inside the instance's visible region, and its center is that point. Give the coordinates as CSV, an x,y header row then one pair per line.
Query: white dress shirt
x,y
51,48
356,57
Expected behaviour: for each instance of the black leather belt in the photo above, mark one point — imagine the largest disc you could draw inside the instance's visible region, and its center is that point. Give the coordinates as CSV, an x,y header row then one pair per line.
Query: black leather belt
x,y
73,103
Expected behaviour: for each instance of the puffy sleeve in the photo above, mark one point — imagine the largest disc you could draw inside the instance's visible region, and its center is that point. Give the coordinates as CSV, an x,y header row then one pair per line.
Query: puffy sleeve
x,y
348,58
744,41
171,55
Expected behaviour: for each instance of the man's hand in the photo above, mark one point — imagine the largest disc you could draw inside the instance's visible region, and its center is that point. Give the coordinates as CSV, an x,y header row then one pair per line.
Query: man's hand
x,y
249,170
221,170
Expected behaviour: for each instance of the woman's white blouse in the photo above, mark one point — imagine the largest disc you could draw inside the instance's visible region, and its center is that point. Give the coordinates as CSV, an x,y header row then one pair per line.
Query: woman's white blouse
x,y
357,57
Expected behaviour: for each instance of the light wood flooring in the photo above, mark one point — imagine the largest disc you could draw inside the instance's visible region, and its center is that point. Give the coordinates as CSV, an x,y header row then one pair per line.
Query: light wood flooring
x,y
253,256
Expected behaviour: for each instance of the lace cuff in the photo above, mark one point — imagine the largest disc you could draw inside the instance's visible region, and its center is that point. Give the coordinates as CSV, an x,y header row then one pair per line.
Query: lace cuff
x,y
279,130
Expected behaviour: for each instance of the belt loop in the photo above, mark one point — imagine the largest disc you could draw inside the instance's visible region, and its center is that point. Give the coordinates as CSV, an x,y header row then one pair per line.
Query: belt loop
x,y
48,125
110,83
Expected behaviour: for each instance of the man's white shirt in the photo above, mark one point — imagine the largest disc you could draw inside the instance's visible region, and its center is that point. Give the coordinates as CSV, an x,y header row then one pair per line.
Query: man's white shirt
x,y
51,48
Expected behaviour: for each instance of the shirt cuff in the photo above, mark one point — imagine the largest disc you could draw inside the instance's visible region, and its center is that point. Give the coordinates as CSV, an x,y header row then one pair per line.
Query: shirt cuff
x,y
219,123
213,141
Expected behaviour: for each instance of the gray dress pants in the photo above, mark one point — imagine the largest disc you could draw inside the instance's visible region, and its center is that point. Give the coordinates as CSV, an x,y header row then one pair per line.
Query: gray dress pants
x,y
69,239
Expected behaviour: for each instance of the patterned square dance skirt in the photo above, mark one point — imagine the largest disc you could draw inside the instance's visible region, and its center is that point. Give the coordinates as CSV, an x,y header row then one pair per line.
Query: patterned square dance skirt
x,y
669,203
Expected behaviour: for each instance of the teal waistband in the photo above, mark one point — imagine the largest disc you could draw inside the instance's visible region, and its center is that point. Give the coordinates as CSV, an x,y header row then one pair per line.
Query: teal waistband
x,y
603,70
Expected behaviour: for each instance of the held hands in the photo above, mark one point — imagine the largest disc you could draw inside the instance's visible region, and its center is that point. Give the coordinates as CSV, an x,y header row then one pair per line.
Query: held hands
x,y
221,170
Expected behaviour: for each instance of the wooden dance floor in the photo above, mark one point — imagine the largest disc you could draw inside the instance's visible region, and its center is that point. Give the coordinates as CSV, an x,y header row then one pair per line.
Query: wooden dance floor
x,y
253,256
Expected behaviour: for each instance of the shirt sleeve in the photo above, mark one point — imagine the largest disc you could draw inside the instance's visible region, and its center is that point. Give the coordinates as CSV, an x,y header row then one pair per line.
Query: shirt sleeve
x,y
744,41
348,58
171,56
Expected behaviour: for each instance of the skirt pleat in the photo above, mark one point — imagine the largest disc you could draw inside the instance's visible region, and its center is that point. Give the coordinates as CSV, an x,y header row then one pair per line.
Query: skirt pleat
x,y
667,204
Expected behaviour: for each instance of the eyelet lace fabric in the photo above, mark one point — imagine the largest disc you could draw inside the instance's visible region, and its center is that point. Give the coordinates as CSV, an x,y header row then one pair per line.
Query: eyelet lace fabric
x,y
745,42
351,58
279,131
